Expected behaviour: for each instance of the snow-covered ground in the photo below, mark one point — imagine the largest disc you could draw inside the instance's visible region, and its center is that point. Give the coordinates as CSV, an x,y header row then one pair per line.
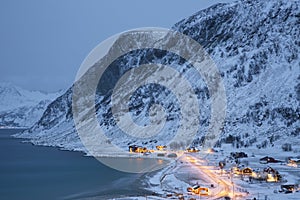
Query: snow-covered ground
x,y
195,168
263,190
255,45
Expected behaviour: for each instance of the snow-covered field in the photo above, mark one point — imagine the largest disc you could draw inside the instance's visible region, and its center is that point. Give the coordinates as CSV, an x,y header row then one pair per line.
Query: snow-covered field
x,y
185,172
201,168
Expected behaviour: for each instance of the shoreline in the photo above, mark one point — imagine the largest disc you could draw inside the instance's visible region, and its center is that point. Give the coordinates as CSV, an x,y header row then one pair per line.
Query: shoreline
x,y
60,167
174,180
142,182
157,184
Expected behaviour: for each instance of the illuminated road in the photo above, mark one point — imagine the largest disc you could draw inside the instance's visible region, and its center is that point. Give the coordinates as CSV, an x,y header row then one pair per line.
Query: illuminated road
x,y
223,186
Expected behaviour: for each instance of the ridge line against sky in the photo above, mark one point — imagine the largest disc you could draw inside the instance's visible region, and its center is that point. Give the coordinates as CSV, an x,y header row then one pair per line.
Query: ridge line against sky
x,y
44,42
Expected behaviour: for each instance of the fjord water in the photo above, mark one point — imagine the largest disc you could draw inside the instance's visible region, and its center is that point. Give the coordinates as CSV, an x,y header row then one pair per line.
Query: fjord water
x,y
37,172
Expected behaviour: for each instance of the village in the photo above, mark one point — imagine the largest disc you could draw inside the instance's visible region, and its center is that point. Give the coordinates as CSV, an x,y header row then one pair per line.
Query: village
x,y
228,175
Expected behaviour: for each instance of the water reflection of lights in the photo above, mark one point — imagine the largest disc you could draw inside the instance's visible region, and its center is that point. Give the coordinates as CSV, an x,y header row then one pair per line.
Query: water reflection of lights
x,y
160,161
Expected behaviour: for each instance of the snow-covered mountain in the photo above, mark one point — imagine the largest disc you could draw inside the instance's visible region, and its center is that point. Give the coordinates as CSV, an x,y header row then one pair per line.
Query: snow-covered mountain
x,y
255,45
20,107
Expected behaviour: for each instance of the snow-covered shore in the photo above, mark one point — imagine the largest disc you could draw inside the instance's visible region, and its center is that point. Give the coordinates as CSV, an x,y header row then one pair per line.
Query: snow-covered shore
x,y
172,181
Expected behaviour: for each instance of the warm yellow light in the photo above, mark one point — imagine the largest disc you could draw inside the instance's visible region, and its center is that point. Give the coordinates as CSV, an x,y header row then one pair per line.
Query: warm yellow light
x,y
271,178
292,164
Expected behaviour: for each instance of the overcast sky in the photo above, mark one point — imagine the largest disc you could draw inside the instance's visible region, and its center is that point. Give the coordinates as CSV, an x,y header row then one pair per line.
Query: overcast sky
x,y
44,42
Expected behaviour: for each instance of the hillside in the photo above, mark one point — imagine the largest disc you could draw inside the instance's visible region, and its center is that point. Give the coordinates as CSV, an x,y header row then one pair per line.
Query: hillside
x,y
255,45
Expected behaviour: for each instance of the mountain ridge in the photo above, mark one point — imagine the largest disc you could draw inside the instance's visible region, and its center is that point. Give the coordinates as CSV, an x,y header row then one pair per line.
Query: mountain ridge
x,y
255,45
20,107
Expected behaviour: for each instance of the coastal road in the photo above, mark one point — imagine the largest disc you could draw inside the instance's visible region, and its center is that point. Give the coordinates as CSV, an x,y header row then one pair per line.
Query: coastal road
x,y
223,186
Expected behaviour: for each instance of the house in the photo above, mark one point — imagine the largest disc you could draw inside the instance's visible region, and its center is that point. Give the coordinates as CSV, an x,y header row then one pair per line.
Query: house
x,y
196,189
137,149
290,187
247,171
268,174
272,175
260,176
193,188
133,148
237,170
141,150
267,159
161,147
294,161
237,155
192,150
203,191
272,178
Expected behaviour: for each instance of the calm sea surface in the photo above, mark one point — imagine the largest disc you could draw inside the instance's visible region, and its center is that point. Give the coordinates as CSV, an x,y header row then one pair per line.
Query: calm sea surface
x,y
36,172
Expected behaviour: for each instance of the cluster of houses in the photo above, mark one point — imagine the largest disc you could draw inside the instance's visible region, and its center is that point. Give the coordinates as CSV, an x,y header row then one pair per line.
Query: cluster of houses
x,y
268,174
138,149
162,151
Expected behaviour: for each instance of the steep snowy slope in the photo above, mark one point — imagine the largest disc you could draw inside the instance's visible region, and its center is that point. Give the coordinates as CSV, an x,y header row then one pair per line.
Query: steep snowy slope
x,y
20,107
255,45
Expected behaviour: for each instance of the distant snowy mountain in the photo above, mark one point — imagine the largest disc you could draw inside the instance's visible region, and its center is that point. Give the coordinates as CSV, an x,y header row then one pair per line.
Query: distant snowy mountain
x,y
20,107
255,45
